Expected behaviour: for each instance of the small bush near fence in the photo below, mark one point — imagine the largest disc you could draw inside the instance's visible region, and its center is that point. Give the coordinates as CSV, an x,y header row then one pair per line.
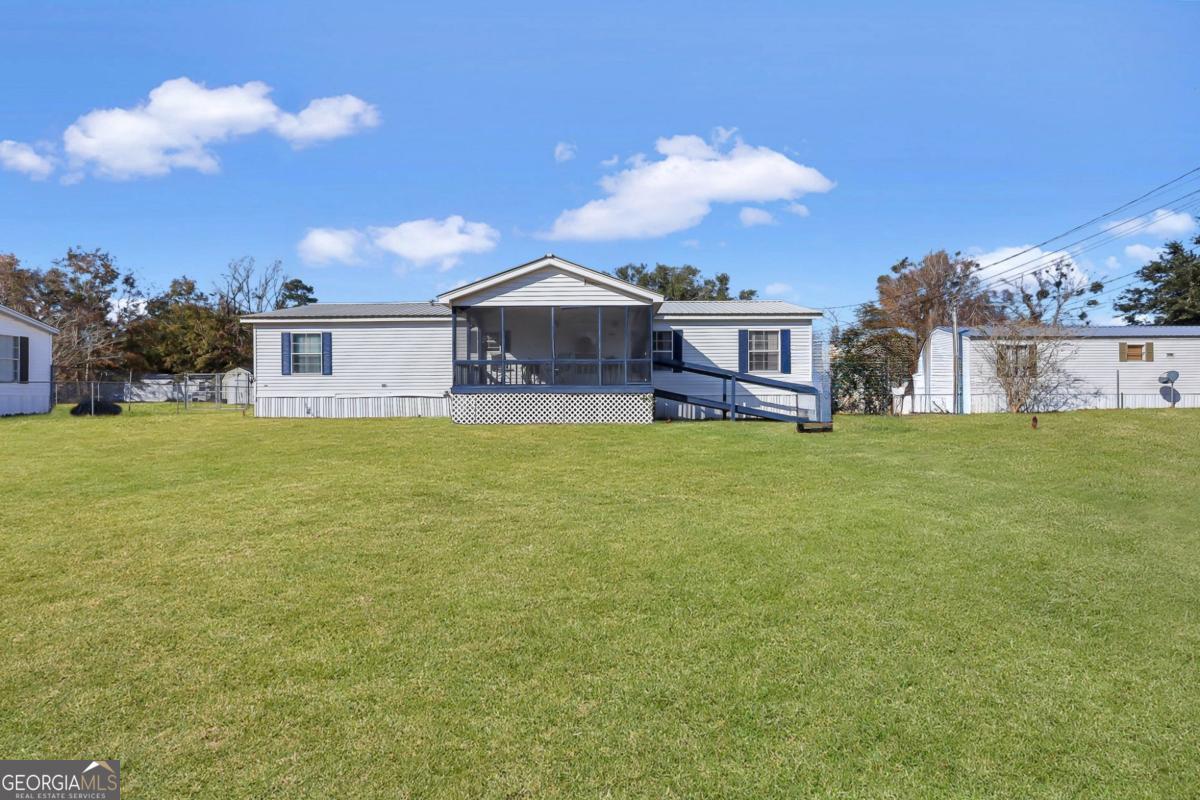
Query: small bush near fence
x,y
95,408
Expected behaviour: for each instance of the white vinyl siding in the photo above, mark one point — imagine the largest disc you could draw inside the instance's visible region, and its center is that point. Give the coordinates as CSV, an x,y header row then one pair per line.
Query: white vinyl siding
x,y
549,287
370,359
1095,361
714,342
32,397
933,382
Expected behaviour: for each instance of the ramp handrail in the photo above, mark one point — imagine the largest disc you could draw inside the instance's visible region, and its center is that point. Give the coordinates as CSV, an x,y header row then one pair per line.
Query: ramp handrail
x,y
740,377
731,379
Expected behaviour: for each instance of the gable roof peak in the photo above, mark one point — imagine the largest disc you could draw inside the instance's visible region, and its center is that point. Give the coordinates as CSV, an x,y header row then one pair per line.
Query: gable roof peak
x,y
558,262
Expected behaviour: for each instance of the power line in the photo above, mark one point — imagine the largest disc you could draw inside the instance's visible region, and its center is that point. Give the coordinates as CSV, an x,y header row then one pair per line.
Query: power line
x,y
1124,231
1112,236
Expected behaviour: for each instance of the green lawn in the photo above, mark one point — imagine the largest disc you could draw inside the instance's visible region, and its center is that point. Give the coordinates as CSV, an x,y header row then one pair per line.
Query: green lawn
x,y
919,607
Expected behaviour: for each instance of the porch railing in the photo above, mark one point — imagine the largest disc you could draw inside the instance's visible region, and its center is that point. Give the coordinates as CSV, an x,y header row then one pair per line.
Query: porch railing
x,y
551,372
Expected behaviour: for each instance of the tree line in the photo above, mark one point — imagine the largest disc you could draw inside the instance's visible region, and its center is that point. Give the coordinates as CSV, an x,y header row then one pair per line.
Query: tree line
x,y
109,322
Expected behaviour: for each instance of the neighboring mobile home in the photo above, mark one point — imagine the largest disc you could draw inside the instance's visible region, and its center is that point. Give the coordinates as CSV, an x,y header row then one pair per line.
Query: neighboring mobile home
x,y
546,341
25,351
1108,366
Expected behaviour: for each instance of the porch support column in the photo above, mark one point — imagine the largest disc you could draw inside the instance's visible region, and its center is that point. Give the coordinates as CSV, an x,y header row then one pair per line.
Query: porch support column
x,y
503,349
599,339
553,347
453,345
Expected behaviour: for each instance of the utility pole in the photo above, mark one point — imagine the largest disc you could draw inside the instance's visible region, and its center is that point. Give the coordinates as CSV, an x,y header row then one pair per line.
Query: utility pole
x,y
954,356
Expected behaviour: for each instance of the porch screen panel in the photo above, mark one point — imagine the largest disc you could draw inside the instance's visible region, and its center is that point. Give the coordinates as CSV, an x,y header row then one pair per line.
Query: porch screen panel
x,y
577,346
638,351
612,345
529,350
484,344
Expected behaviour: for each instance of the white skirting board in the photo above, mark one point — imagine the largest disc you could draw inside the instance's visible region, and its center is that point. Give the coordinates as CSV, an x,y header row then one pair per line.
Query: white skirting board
x,y
547,408
351,407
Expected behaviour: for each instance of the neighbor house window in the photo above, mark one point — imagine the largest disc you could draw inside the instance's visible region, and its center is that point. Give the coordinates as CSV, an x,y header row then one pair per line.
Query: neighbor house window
x,y
662,343
306,354
1135,352
10,359
763,351
1017,360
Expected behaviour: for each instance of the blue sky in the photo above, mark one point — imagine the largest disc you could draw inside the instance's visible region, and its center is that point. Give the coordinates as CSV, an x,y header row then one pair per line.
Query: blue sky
x,y
429,157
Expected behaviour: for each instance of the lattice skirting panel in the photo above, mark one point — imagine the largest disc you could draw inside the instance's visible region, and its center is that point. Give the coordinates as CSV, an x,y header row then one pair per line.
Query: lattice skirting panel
x,y
538,408
351,407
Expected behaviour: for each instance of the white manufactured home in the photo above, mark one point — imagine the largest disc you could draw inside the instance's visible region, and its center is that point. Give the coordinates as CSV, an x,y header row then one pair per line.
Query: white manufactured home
x,y
547,341
1112,366
25,351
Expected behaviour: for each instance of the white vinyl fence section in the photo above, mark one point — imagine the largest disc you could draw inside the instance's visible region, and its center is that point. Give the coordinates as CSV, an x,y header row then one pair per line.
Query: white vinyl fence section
x,y
991,403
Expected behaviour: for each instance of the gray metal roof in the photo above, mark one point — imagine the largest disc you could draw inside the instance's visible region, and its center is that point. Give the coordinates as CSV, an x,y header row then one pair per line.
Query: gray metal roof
x,y
356,311
707,308
1107,331
733,308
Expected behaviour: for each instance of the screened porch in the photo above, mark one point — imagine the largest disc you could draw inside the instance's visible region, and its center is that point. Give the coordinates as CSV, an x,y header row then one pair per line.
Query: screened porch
x,y
549,346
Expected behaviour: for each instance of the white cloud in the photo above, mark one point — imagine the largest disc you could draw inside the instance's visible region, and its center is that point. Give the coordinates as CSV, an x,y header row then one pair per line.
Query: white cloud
x,y
20,157
327,118
1158,223
430,241
1141,253
690,243
755,216
331,245
676,192
1112,263
564,151
799,209
182,119
611,161
779,290
420,242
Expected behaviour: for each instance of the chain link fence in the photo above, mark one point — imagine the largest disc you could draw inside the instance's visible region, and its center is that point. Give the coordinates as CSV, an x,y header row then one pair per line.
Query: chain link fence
x,y
188,392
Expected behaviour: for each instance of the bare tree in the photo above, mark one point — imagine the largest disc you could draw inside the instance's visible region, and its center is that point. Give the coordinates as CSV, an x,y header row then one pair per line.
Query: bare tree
x,y
245,289
1049,296
1029,365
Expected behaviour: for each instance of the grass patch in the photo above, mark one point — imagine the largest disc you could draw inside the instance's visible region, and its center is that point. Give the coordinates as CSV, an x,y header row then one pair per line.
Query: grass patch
x,y
918,607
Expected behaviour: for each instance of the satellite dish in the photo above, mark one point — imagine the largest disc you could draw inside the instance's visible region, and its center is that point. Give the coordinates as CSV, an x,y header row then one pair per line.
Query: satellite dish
x,y
1168,377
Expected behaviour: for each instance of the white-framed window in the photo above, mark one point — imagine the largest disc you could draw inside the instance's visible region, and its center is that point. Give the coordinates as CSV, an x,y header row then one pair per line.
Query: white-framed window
x,y
10,359
663,343
306,354
763,351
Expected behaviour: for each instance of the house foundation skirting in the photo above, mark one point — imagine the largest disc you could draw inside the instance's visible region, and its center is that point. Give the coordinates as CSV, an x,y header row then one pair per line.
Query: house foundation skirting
x,y
351,407
549,408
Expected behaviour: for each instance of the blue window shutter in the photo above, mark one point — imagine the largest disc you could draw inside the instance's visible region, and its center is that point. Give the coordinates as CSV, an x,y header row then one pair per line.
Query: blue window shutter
x,y
785,351
677,348
326,353
23,359
285,347
743,350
